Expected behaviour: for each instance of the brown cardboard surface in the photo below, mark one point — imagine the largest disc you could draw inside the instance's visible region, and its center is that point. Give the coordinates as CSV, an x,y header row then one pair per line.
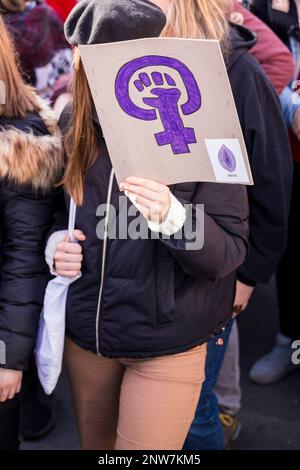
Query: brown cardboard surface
x,y
167,111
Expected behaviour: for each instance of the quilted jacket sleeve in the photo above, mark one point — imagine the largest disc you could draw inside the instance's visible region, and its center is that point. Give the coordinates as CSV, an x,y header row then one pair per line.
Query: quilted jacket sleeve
x,y
25,221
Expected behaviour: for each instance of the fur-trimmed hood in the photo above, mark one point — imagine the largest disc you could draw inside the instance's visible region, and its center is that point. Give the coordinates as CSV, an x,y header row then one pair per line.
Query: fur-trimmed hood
x,y
28,157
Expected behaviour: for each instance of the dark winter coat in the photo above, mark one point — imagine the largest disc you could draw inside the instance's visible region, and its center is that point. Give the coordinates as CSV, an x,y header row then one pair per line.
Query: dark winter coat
x,y
157,298
30,166
268,147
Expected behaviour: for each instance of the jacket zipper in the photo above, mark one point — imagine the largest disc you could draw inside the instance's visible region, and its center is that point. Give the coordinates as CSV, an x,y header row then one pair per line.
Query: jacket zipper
x,y
104,252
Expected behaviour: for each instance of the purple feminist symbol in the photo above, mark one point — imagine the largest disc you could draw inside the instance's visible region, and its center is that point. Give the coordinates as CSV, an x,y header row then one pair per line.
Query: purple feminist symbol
x,y
227,159
165,99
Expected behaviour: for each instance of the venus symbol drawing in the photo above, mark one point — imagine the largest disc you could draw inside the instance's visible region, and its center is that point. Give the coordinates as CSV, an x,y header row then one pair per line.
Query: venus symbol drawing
x,y
162,100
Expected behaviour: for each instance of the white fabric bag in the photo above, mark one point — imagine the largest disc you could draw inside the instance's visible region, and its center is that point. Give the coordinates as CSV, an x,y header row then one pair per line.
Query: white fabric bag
x,y
51,333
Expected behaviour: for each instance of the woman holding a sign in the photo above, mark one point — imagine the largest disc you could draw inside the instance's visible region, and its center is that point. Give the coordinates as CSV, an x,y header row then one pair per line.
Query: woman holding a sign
x,y
139,317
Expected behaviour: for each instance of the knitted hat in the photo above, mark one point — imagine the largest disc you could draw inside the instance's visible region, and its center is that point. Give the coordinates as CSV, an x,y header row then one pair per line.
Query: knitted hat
x,y
102,21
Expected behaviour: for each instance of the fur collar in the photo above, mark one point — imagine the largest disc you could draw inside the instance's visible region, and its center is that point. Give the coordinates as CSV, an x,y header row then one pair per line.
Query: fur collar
x,y
26,159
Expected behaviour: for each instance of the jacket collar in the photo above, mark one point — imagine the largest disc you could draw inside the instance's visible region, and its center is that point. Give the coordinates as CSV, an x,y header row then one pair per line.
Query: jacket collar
x,y
31,151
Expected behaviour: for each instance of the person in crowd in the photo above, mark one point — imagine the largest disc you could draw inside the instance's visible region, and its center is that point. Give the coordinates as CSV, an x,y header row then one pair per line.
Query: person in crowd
x,y
44,56
274,57
140,315
38,36
62,7
283,18
277,61
31,161
260,114
61,93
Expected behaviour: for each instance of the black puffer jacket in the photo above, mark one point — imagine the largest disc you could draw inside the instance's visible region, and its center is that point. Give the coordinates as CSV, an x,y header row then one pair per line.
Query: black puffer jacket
x,y
157,298
30,165
150,297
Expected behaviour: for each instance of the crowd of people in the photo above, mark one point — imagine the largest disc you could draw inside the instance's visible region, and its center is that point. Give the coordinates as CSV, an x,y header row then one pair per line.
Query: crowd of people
x,y
152,347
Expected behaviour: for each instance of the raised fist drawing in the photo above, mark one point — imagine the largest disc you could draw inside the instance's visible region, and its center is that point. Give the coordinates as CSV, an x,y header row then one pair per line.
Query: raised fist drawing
x,y
161,97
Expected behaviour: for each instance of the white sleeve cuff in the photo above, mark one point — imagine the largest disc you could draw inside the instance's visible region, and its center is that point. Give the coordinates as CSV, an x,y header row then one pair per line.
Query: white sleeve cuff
x,y
53,241
175,219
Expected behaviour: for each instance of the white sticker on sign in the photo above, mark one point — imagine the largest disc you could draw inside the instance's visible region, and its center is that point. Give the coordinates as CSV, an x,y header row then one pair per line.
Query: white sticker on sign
x,y
227,160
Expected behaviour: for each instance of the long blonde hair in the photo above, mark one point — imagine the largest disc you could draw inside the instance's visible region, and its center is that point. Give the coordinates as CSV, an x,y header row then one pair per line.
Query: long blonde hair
x,y
19,98
199,19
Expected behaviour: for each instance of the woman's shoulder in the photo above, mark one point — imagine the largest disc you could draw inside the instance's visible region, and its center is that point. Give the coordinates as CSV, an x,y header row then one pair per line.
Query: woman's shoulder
x,y
31,151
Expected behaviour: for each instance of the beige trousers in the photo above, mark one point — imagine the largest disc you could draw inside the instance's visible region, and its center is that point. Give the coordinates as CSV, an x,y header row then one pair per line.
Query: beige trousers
x,y
129,404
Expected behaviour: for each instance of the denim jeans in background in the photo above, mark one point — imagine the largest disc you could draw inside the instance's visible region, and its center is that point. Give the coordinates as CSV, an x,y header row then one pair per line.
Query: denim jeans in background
x,y
228,387
290,102
206,432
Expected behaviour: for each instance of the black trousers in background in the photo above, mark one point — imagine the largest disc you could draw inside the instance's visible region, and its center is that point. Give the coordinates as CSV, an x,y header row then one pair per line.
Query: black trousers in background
x,y
288,279
10,412
9,424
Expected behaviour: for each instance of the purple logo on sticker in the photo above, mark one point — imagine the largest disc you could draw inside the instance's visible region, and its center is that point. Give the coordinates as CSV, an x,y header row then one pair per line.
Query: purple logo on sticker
x,y
164,99
227,159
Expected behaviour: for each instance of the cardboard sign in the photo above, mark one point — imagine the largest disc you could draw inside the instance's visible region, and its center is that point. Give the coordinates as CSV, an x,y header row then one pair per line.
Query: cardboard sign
x,y
167,111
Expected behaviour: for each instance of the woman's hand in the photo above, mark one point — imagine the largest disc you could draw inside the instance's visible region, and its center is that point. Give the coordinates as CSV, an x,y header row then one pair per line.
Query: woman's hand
x,y
10,383
242,298
152,199
68,256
